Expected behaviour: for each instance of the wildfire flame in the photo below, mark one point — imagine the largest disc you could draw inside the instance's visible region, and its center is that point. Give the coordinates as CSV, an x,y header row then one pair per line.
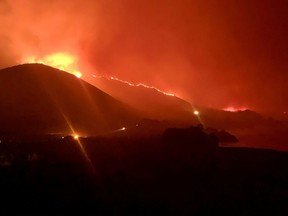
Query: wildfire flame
x,y
135,85
62,61
68,63
235,109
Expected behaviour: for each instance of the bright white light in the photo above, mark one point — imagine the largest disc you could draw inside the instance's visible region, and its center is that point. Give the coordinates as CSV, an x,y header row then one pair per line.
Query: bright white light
x,y
196,112
123,128
76,137
77,74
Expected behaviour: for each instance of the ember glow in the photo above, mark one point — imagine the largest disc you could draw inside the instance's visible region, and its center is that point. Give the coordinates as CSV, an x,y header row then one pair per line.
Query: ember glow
x,y
61,61
235,109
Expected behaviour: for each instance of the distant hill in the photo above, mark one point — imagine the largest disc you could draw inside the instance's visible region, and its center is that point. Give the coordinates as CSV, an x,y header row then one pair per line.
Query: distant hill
x,y
231,120
36,98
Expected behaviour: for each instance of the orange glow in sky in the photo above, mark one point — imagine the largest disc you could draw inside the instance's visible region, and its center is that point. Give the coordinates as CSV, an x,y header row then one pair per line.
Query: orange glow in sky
x,y
61,61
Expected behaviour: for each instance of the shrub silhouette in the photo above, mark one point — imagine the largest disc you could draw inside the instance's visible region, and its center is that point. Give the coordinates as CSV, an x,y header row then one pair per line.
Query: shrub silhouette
x,y
189,146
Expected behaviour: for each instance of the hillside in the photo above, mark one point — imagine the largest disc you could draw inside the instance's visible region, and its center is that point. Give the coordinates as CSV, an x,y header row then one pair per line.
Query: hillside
x,y
154,104
36,98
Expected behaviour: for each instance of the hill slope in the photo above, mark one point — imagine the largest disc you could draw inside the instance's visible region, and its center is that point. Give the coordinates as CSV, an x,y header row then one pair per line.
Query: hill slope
x,y
149,101
36,98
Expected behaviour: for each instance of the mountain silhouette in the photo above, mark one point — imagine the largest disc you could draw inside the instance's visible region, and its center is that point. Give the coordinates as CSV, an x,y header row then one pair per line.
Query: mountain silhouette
x,y
36,98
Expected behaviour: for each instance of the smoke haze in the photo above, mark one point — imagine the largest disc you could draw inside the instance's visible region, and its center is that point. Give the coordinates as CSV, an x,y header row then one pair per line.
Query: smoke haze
x,y
213,53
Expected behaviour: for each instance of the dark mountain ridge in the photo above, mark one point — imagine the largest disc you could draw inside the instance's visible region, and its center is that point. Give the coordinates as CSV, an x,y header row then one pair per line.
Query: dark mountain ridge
x,y
36,98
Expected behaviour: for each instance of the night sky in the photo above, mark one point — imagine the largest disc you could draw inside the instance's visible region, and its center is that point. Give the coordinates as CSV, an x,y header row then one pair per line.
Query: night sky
x,y
210,52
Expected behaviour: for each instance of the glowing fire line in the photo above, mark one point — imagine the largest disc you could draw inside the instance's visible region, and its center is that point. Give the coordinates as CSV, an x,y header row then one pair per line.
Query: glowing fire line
x,y
135,85
68,63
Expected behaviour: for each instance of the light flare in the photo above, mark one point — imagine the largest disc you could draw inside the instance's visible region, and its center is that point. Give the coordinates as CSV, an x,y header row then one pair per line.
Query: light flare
x,y
117,130
62,61
83,151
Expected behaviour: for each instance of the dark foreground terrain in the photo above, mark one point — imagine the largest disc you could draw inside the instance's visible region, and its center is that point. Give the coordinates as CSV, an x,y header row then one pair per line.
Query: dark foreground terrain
x,y
183,172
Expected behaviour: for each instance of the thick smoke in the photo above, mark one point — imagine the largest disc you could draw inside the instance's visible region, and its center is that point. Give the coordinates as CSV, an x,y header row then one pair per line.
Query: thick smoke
x,y
214,53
